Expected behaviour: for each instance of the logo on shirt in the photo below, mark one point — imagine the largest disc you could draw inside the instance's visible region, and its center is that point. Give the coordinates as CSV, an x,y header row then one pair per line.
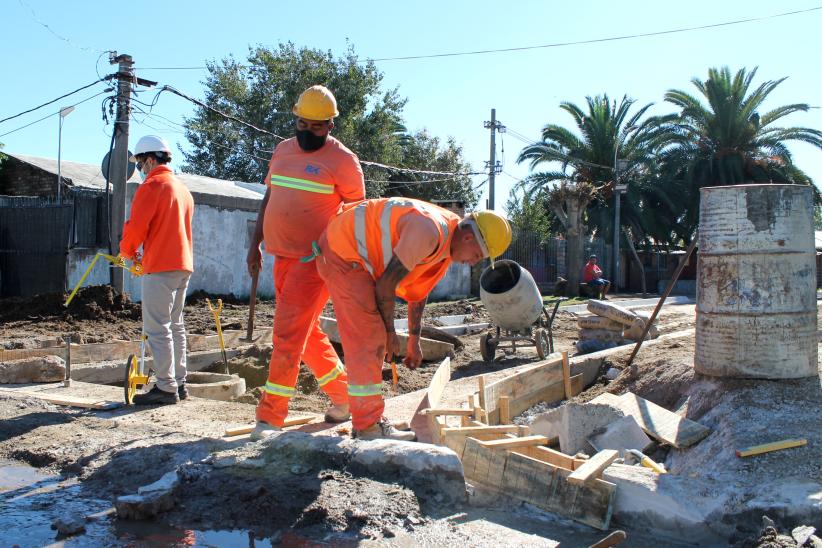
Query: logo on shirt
x,y
312,169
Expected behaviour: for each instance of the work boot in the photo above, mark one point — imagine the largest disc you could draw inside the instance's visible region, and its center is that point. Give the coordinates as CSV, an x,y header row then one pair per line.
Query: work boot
x,y
262,430
155,396
337,413
182,391
383,429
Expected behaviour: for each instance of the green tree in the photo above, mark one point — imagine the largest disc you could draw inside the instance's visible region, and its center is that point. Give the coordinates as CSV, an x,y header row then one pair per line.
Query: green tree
x,y
721,136
422,151
262,90
606,131
530,214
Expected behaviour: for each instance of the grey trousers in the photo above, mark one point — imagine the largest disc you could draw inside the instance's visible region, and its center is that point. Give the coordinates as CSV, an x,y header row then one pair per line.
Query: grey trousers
x,y
164,295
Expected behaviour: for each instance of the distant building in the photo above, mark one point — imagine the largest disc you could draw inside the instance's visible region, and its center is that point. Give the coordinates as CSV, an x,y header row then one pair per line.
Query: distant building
x,y
46,247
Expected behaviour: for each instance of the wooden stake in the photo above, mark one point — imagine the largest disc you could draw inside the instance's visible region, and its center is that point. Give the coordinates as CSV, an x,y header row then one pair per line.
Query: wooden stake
x,y
504,411
481,386
296,421
566,376
523,431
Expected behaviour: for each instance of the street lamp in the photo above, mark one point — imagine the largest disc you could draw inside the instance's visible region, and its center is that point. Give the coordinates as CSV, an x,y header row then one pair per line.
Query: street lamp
x,y
65,111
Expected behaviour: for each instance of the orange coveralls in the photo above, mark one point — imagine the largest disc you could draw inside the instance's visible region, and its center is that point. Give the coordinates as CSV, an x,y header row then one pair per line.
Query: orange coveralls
x,y
355,249
306,190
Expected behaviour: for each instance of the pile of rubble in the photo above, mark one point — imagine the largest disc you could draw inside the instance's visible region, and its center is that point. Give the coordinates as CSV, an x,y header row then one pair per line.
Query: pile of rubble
x,y
611,325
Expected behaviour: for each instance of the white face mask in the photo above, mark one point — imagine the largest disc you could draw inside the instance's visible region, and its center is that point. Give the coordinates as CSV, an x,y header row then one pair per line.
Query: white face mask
x,y
143,175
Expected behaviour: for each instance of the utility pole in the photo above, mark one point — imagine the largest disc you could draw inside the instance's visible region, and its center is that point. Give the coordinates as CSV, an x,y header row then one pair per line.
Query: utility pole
x,y
118,173
492,165
619,165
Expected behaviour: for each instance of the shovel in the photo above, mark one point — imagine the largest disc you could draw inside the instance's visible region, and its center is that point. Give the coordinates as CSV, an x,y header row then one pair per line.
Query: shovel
x,y
252,304
216,313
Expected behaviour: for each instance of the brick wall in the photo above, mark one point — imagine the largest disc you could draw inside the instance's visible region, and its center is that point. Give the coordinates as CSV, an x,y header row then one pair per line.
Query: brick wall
x,y
20,179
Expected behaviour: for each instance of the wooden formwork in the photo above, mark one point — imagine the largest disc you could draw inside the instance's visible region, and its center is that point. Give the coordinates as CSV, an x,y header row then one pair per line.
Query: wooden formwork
x,y
506,458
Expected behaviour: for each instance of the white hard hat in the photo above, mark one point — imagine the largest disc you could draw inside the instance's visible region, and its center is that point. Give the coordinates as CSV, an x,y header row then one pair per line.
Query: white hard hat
x,y
150,143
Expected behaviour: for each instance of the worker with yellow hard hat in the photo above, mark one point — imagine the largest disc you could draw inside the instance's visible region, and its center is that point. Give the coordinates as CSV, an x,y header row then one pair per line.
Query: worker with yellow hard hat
x,y
310,176
381,249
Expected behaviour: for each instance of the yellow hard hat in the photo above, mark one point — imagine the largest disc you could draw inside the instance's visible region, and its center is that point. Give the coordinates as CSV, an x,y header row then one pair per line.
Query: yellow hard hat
x,y
316,103
495,232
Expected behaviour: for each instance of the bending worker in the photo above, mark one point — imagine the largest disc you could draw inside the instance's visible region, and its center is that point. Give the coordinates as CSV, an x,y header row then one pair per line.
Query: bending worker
x,y
160,221
381,249
309,177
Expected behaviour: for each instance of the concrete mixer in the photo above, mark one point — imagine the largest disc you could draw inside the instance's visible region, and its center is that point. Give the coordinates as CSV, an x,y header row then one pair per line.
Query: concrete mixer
x,y
517,312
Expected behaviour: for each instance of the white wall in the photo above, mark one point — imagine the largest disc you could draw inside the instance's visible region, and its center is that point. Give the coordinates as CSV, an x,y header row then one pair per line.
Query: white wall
x,y
456,284
221,239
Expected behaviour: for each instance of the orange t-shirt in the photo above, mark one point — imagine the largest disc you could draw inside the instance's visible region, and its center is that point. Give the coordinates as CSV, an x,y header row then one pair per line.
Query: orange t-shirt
x,y
160,221
306,191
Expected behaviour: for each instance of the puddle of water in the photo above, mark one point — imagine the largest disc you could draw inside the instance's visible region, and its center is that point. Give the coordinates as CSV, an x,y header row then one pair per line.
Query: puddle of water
x,y
14,475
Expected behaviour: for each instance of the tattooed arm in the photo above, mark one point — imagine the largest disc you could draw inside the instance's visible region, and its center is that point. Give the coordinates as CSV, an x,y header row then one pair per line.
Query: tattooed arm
x,y
386,294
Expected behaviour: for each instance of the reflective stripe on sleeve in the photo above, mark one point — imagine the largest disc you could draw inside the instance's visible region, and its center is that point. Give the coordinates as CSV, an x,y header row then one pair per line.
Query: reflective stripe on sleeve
x,y
365,390
279,390
301,184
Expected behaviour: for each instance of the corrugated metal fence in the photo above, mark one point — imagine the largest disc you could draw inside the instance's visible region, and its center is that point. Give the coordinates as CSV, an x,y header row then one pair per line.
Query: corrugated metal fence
x,y
36,234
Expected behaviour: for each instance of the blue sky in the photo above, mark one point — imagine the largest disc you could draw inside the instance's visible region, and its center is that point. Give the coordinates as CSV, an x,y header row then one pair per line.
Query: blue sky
x,y
448,96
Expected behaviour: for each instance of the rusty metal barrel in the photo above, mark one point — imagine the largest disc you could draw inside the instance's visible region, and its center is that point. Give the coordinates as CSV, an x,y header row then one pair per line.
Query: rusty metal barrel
x,y
510,295
756,314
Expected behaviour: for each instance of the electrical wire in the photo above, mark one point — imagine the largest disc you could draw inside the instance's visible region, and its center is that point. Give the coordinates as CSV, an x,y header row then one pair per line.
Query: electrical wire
x,y
599,40
54,113
52,101
52,31
555,44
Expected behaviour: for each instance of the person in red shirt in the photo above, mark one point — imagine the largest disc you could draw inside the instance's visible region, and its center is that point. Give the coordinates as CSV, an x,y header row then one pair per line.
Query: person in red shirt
x,y
309,178
160,222
592,275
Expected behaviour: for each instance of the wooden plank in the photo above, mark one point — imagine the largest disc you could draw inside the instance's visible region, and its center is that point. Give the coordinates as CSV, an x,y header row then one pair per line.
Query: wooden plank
x,y
656,421
431,350
481,391
514,443
438,382
521,385
504,410
541,484
566,376
239,431
68,401
548,455
454,438
594,466
448,412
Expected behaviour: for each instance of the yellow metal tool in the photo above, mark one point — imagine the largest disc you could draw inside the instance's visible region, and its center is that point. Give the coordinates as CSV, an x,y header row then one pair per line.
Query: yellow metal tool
x,y
647,462
768,447
216,313
136,375
136,269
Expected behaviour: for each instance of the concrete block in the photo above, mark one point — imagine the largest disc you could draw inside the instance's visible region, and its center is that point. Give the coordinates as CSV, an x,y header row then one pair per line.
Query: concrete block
x,y
40,369
150,500
215,386
621,434
573,423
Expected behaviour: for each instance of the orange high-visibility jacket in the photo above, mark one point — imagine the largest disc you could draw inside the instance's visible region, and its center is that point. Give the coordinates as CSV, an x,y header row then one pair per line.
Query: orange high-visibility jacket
x,y
160,221
366,233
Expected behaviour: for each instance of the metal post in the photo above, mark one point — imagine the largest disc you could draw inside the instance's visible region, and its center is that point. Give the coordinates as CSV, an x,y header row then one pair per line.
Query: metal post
x,y
492,167
119,162
617,201
59,153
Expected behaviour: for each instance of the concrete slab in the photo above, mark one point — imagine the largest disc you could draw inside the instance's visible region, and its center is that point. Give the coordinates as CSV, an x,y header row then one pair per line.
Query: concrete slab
x,y
40,369
573,423
621,434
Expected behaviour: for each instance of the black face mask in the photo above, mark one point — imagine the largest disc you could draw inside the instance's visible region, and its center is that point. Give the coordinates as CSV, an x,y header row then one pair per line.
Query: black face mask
x,y
308,141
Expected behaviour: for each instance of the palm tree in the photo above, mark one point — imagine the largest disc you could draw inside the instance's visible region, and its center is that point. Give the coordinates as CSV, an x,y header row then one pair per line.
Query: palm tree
x,y
721,137
586,159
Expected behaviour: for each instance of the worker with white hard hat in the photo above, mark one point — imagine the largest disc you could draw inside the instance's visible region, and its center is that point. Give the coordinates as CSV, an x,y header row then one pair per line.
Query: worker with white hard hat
x,y
160,222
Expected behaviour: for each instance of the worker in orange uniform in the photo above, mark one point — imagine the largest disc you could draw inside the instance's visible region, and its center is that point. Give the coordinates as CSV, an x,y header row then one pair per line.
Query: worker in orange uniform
x,y
309,177
160,221
381,249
